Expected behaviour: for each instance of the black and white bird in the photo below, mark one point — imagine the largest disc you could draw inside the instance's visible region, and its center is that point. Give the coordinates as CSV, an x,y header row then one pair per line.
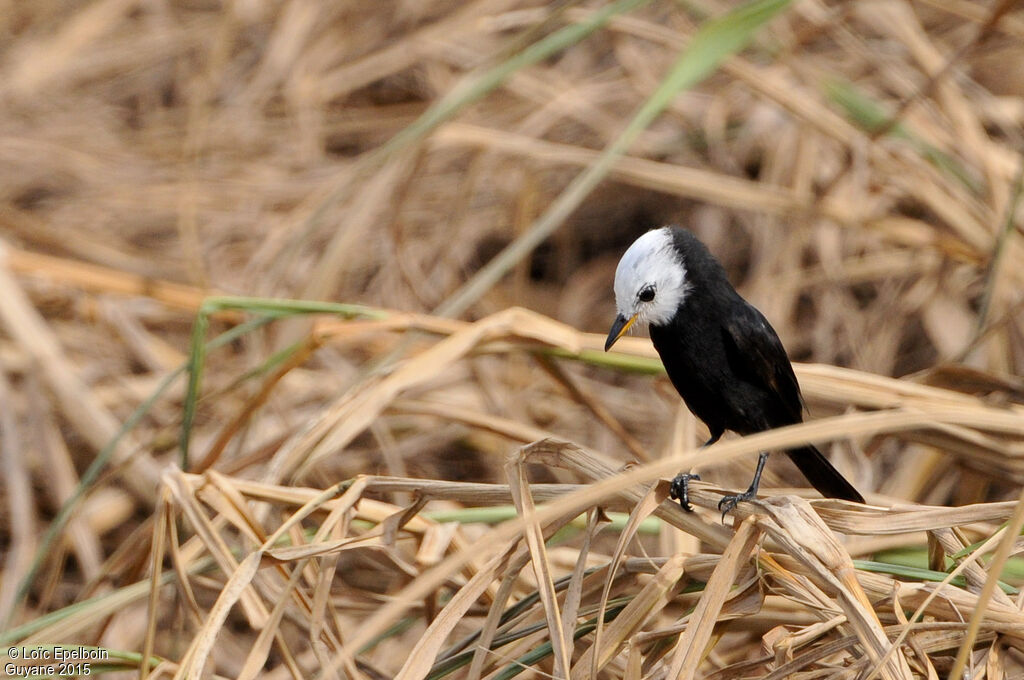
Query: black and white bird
x,y
721,354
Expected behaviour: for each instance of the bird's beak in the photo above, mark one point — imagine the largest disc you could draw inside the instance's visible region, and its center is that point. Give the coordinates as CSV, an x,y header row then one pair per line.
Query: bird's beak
x,y
619,328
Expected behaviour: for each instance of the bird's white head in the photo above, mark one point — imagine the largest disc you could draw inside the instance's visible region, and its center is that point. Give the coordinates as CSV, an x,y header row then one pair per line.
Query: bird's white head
x,y
650,283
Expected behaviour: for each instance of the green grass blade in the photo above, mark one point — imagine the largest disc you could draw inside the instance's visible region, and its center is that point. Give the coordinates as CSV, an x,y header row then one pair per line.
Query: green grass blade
x,y
286,307
135,591
714,41
270,309
495,514
475,88
543,650
919,574
470,90
873,119
102,458
85,483
194,368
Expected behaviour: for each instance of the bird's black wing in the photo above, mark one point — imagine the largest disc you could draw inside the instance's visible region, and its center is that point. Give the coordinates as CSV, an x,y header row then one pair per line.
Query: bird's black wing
x,y
757,356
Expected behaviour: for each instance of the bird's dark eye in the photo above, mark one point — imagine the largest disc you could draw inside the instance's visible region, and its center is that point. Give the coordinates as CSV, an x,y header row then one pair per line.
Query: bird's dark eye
x,y
647,294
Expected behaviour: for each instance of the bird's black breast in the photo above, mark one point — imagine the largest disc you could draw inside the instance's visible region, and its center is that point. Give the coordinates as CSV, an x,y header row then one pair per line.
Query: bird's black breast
x,y
721,354
695,359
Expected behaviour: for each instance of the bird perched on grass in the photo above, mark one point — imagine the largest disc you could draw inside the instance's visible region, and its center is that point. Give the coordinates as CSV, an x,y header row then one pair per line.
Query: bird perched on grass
x,y
721,354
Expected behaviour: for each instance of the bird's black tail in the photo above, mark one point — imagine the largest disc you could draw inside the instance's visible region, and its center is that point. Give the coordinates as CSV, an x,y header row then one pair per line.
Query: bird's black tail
x,y
822,476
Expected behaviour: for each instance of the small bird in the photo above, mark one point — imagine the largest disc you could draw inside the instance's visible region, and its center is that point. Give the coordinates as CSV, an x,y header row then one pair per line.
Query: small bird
x,y
721,354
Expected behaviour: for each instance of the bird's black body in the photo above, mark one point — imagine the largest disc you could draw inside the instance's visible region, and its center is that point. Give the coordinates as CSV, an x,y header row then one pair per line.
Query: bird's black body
x,y
721,354
729,366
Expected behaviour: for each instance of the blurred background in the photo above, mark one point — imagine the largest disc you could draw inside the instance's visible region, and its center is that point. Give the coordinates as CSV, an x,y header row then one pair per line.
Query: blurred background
x,y
857,169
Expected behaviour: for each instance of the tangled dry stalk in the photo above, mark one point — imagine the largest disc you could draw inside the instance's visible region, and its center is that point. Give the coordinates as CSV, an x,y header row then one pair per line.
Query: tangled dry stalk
x,y
437,481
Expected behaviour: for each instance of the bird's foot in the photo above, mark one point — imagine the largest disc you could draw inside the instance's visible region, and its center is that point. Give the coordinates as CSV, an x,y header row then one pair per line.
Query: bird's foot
x,y
680,489
729,503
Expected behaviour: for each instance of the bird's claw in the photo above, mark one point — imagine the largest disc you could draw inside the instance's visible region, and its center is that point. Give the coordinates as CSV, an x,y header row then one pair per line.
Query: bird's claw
x,y
729,503
680,489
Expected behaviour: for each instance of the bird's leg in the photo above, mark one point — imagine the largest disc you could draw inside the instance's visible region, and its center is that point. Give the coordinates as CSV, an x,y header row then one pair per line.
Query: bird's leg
x,y
680,488
728,503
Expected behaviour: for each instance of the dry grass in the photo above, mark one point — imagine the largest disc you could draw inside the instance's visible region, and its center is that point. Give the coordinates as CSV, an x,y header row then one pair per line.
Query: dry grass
x,y
440,483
